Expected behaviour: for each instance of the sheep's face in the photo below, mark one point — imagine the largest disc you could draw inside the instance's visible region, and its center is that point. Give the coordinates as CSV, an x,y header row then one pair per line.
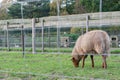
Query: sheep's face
x,y
75,62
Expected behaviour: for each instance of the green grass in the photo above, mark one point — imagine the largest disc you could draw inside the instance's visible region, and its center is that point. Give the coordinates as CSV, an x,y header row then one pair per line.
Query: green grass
x,y
64,50
55,67
67,50
115,51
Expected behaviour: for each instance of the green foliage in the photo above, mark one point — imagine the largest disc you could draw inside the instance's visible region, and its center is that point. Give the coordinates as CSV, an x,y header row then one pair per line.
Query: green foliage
x,y
69,6
4,15
37,9
90,5
113,5
75,30
31,10
93,5
15,11
74,36
53,10
66,7
70,9
43,8
78,8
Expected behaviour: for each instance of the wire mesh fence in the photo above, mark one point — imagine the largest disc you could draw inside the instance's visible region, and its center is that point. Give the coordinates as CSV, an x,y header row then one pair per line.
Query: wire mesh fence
x,y
46,44
56,64
55,67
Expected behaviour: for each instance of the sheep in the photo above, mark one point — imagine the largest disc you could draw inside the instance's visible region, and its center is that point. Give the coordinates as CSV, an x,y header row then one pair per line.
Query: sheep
x,y
96,41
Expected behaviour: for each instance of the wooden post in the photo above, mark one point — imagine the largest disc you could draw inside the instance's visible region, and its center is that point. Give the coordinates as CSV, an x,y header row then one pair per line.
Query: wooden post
x,y
33,36
42,24
48,36
22,41
87,23
7,36
58,27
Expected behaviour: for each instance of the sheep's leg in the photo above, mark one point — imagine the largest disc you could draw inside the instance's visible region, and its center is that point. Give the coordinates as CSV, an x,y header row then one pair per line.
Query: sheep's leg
x,y
92,61
104,64
84,57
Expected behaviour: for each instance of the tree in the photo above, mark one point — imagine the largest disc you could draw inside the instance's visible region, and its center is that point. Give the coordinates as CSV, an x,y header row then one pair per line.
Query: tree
x,y
90,5
38,8
15,11
3,9
30,9
113,5
3,15
70,6
53,8
62,7
75,30
107,5
66,7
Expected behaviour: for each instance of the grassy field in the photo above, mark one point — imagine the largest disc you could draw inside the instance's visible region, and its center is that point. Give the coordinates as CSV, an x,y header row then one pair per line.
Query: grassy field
x,y
63,50
55,67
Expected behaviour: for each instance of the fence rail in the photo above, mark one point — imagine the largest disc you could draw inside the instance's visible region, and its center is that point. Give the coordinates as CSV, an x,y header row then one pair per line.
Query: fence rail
x,y
108,18
38,39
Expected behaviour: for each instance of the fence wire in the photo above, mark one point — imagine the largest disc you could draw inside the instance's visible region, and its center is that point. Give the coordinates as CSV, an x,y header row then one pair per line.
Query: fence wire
x,y
51,58
64,70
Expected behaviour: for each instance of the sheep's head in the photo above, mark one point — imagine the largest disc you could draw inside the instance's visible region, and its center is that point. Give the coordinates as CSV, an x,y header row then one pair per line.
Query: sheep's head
x,y
76,61
76,57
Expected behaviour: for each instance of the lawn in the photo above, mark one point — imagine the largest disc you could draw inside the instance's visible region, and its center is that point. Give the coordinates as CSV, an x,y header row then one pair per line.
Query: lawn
x,y
55,67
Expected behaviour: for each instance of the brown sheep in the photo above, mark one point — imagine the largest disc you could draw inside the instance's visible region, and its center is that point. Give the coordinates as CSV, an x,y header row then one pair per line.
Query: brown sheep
x,y
96,41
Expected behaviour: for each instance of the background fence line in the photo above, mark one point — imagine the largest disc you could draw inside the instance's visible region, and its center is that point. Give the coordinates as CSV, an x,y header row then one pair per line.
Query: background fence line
x,y
108,18
28,46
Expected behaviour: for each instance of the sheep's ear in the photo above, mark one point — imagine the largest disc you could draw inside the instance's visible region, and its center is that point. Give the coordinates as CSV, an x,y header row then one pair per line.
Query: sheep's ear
x,y
73,59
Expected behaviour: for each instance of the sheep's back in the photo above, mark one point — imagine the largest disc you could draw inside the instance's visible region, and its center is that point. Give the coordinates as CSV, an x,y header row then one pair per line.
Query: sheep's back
x,y
96,40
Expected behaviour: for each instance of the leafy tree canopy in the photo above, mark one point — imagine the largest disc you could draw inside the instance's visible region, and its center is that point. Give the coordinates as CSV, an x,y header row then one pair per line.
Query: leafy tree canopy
x,y
107,5
30,9
40,8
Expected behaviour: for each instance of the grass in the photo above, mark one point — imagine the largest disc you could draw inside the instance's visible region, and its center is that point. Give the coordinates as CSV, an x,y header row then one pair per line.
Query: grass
x,y
67,50
64,50
55,67
115,51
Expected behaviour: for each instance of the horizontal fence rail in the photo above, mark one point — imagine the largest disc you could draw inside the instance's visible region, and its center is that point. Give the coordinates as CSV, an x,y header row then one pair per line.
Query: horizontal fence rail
x,y
108,18
40,48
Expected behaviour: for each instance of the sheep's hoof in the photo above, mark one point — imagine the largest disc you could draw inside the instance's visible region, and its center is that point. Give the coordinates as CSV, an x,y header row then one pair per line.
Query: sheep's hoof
x,y
104,67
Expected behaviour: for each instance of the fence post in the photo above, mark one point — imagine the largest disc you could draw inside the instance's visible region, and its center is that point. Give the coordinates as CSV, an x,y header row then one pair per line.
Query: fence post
x,y
33,36
7,36
48,36
42,24
58,27
87,23
22,40
100,10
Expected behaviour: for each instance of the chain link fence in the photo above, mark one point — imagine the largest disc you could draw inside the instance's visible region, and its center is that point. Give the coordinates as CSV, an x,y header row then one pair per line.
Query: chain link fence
x,y
55,35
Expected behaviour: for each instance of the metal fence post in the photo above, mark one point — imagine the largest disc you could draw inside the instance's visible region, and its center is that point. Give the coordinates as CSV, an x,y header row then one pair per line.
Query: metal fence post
x,y
7,36
58,27
33,36
42,24
100,11
22,41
